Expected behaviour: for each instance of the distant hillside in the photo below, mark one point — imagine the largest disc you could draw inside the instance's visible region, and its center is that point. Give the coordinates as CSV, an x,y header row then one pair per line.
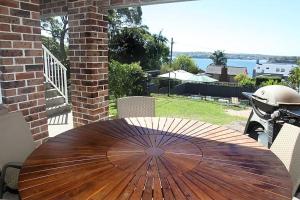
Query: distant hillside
x,y
270,58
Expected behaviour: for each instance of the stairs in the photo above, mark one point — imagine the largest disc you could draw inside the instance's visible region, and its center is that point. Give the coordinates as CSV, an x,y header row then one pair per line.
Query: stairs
x,y
55,102
55,74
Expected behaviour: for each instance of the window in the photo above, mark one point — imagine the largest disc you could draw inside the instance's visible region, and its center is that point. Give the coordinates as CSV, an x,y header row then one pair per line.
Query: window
x,y
277,70
282,70
258,67
267,68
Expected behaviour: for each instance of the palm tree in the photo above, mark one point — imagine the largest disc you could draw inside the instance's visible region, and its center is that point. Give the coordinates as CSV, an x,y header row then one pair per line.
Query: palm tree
x,y
159,38
219,58
294,77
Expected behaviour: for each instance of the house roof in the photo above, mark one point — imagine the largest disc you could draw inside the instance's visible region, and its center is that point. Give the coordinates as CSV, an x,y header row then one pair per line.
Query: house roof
x,y
216,69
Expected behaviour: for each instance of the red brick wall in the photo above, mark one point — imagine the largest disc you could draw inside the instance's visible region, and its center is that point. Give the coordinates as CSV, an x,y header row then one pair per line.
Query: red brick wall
x,y
50,8
88,54
21,63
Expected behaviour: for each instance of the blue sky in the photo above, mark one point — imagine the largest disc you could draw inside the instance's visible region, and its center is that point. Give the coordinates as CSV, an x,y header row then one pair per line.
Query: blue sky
x,y
236,26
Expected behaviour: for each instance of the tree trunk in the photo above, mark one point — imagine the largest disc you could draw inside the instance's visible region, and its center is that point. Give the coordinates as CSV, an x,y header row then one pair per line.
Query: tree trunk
x,y
62,45
62,38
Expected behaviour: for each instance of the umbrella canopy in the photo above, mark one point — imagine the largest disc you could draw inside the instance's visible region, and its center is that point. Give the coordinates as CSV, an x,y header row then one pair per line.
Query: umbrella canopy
x,y
204,78
187,77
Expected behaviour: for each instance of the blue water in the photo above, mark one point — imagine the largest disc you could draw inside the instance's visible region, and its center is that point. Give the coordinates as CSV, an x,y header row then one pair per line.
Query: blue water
x,y
250,64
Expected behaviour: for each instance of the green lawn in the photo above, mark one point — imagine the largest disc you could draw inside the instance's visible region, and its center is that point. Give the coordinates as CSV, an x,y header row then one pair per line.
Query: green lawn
x,y
176,106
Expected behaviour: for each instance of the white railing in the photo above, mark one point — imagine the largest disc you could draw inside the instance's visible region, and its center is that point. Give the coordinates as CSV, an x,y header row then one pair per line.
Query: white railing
x,y
55,73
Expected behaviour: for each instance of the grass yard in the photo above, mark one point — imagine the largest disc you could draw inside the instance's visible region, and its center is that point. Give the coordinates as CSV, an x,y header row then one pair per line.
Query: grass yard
x,y
183,107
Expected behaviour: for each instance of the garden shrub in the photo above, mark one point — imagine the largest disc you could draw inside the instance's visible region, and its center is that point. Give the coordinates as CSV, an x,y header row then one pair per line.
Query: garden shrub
x,y
126,79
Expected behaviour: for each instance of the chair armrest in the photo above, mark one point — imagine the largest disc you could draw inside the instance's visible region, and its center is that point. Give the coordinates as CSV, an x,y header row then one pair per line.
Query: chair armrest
x,y
16,165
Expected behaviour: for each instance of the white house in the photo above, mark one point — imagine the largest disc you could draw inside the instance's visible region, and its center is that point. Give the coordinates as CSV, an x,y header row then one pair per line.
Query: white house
x,y
277,69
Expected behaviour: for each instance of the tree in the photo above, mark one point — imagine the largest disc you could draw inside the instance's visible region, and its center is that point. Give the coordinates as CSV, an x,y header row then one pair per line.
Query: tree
x,y
124,17
126,79
271,82
157,51
136,44
58,29
53,46
294,77
183,62
244,80
186,63
218,57
129,40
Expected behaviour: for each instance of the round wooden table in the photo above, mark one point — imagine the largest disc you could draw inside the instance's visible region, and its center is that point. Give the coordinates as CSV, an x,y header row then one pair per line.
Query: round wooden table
x,y
145,158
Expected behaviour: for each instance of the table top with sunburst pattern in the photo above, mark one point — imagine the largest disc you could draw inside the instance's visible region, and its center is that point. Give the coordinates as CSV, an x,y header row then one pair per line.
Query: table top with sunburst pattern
x,y
153,158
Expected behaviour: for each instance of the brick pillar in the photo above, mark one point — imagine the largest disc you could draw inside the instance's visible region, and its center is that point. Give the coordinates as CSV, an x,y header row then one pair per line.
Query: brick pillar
x,y
21,63
88,54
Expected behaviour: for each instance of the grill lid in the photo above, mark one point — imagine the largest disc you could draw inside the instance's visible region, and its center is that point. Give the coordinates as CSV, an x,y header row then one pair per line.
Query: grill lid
x,y
277,95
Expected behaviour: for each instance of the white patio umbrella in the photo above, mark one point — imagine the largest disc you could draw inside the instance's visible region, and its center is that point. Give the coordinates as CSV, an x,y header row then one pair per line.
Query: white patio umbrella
x,y
187,77
203,78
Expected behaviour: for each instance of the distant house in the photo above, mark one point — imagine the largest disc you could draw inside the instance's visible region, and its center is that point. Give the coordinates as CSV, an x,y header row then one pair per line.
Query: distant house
x,y
273,69
214,71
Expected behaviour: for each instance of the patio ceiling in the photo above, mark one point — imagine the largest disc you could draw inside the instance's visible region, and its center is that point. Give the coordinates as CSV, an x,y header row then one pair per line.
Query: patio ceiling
x,y
50,8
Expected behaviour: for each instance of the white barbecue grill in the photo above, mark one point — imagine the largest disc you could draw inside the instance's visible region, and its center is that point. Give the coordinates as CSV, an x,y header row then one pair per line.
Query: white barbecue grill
x,y
272,106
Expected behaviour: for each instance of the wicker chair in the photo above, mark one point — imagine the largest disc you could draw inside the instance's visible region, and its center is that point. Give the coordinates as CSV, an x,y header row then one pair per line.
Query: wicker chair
x,y
136,106
15,145
287,147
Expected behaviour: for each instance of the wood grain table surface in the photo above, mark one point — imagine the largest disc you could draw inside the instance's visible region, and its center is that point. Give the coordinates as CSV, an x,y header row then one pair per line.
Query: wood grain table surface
x,y
153,158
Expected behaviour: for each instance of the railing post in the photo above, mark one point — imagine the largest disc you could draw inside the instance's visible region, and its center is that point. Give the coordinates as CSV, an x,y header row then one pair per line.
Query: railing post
x,y
45,64
66,85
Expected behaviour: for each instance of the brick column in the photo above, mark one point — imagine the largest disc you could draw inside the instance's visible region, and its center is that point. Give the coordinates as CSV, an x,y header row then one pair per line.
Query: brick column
x,y
88,54
21,63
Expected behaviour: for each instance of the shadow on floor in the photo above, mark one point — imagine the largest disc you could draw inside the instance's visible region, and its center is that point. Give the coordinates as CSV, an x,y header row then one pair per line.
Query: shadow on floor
x,y
60,123
59,119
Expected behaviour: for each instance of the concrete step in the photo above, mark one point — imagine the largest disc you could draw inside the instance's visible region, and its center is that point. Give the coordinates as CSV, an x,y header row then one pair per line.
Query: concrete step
x,y
52,93
48,85
58,110
55,101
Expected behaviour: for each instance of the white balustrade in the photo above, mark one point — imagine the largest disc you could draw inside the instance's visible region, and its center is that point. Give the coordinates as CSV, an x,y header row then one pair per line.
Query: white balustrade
x,y
55,73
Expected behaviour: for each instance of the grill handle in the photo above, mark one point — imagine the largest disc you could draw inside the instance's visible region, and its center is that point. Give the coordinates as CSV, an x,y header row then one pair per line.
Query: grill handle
x,y
258,112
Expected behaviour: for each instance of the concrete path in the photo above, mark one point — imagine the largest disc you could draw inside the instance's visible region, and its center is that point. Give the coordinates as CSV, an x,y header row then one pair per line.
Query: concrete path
x,y
237,125
240,113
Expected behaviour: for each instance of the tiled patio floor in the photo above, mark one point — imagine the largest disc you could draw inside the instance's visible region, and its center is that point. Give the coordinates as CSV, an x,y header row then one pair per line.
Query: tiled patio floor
x,y
10,196
60,124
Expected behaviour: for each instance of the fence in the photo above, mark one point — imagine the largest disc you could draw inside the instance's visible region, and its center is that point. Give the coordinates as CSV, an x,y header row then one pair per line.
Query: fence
x,y
206,89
